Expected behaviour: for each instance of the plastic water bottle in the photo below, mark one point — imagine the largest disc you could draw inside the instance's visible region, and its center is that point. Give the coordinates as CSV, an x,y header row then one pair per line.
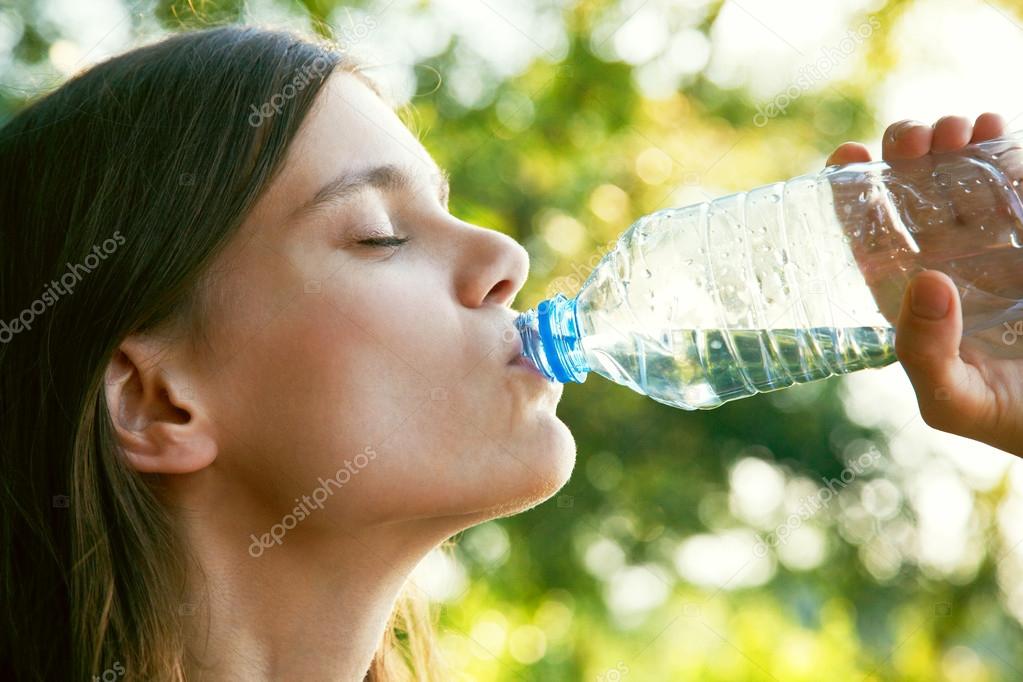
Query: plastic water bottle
x,y
794,281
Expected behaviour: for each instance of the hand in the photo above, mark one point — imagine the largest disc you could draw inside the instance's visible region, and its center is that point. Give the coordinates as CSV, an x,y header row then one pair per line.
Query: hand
x,y
960,388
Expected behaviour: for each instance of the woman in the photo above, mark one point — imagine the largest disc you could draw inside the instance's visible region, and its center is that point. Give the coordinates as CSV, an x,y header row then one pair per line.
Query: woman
x,y
263,371
253,370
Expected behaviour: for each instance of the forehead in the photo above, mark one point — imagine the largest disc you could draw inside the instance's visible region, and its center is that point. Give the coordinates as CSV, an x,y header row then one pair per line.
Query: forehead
x,y
351,124
349,128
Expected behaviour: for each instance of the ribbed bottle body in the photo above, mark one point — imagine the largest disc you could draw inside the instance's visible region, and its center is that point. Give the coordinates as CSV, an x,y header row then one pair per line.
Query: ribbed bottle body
x,y
720,300
796,281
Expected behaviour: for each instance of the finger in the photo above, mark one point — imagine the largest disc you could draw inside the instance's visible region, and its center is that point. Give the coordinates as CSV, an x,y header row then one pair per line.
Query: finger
x,y
848,152
927,339
906,139
985,205
951,133
989,125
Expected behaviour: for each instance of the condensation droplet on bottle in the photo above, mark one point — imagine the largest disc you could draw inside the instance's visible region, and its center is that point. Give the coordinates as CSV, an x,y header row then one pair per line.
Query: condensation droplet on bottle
x,y
647,273
1015,240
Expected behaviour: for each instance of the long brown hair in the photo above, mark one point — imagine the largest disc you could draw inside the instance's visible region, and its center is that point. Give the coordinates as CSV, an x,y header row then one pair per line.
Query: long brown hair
x,y
118,189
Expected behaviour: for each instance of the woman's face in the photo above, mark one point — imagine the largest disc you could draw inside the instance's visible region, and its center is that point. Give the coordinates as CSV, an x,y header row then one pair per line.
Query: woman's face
x,y
385,368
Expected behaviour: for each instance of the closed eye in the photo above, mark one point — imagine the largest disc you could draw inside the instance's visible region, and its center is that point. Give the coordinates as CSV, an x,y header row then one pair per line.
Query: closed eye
x,y
384,241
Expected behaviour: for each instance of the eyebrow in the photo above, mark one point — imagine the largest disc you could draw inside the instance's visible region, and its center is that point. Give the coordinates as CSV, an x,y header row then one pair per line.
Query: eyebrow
x,y
387,177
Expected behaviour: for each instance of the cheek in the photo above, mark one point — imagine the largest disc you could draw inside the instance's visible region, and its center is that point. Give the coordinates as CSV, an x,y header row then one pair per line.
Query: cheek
x,y
349,378
312,388
406,333
377,375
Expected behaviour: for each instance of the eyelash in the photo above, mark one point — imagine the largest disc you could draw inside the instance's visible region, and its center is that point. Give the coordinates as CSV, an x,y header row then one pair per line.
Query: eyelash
x,y
384,241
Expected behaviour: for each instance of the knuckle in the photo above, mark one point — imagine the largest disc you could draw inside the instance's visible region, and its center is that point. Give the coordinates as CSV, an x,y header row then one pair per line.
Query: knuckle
x,y
896,129
944,120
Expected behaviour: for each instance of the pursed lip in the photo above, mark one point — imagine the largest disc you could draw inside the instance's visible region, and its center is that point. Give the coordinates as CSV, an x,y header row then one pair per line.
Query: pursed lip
x,y
517,355
527,364
517,350
518,358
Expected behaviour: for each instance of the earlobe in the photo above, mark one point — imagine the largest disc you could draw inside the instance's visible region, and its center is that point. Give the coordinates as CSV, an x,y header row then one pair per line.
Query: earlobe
x,y
175,456
159,420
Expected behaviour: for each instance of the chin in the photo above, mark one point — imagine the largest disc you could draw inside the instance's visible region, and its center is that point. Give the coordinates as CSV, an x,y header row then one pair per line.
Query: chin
x,y
562,460
550,458
523,476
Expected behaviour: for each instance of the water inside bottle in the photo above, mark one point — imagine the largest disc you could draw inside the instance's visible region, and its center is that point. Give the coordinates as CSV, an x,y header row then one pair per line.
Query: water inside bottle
x,y
702,368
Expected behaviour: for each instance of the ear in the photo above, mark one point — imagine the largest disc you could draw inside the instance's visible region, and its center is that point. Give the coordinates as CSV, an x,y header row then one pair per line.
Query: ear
x,y
160,423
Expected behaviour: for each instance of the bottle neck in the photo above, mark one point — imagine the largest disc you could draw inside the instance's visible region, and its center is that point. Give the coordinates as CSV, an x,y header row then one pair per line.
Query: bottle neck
x,y
551,341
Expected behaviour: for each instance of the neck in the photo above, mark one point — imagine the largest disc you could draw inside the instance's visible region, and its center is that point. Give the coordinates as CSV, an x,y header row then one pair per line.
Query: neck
x,y
302,609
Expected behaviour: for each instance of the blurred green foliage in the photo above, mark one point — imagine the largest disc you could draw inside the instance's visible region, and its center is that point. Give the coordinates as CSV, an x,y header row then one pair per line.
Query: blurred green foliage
x,y
563,156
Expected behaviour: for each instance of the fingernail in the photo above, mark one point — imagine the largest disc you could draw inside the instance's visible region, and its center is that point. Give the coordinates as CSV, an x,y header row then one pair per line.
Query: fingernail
x,y
897,131
929,300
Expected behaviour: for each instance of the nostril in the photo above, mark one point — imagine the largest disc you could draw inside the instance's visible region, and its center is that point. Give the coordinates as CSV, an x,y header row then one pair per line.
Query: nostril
x,y
501,293
495,267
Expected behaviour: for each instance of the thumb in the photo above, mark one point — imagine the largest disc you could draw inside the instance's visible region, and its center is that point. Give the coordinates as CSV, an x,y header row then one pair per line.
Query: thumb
x,y
927,338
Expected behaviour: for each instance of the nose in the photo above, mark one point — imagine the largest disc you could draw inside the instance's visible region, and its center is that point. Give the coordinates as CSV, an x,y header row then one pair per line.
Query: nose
x,y
493,267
